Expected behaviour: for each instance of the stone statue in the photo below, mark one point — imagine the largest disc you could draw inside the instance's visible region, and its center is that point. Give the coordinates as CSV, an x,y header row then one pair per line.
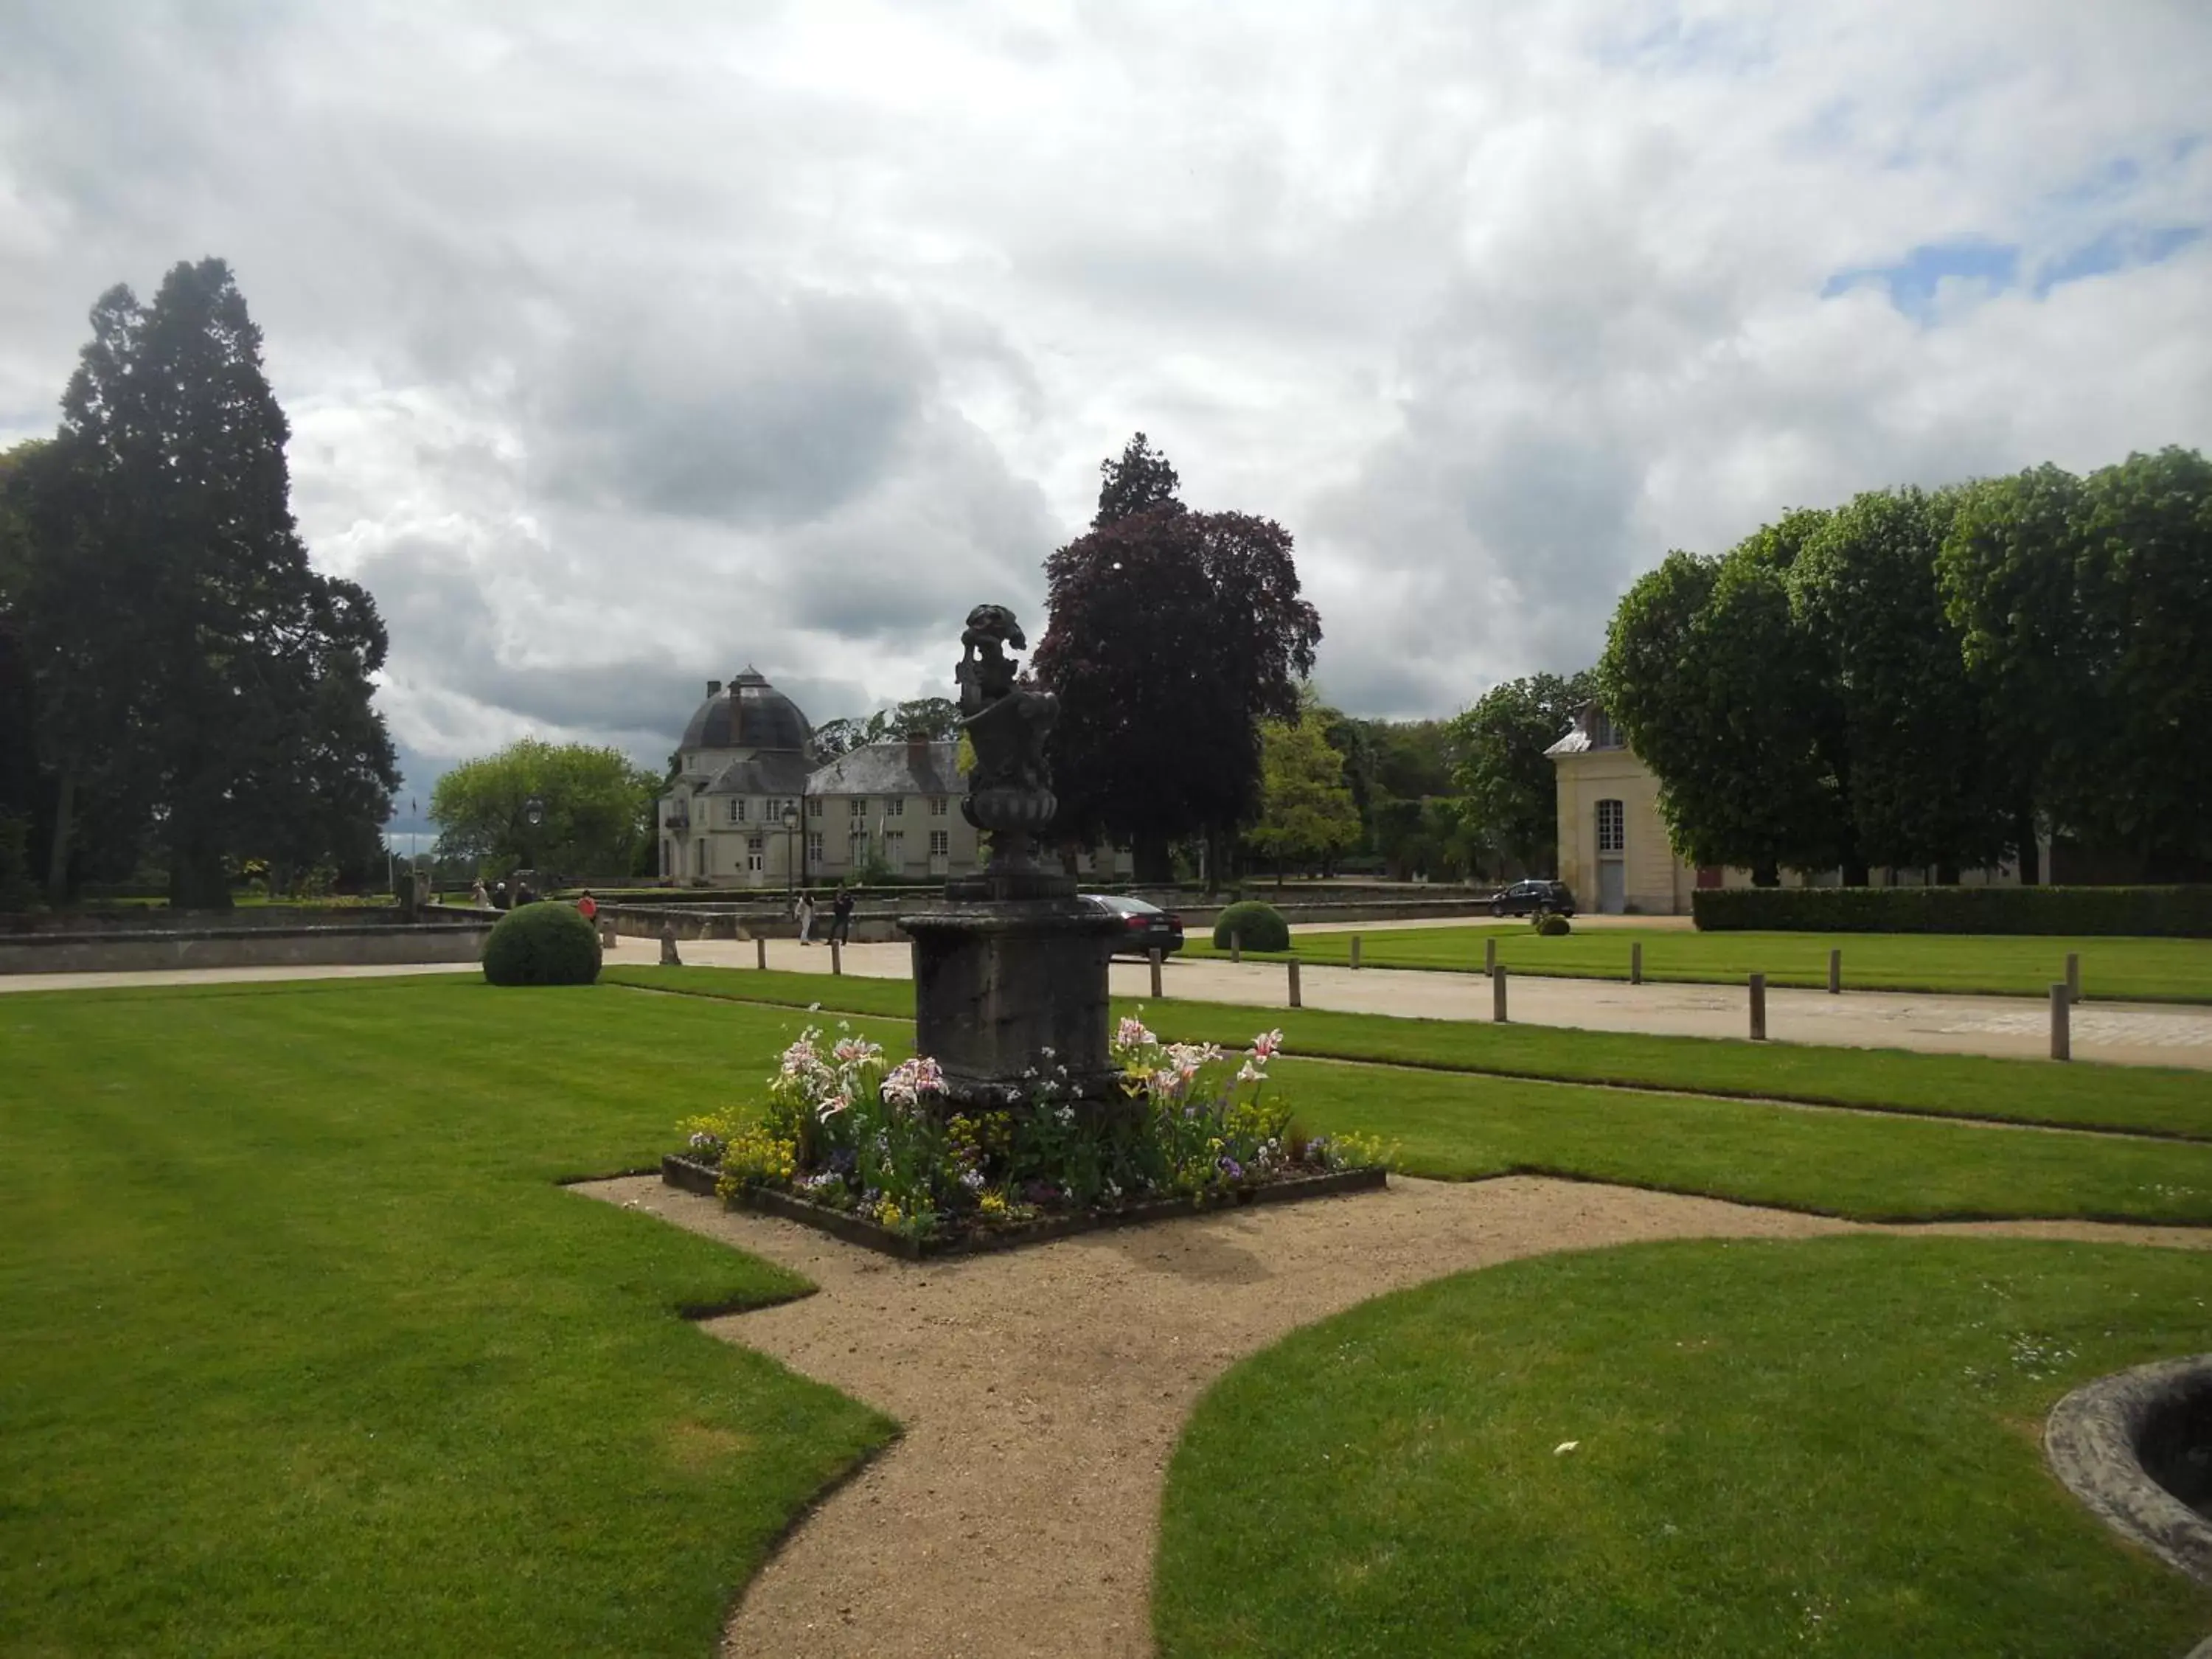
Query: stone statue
x,y
1007,720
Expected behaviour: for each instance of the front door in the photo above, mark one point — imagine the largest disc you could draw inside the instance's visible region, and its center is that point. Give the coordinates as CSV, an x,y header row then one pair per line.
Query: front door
x,y
1612,882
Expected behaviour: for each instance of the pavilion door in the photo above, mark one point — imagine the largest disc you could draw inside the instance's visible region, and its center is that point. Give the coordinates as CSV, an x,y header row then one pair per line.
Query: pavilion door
x,y
1612,883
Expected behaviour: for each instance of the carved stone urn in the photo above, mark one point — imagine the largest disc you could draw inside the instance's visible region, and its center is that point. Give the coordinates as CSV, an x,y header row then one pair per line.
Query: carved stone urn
x,y
1010,968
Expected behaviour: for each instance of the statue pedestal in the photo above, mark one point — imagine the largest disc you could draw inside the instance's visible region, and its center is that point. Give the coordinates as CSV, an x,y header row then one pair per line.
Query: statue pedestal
x,y
1012,964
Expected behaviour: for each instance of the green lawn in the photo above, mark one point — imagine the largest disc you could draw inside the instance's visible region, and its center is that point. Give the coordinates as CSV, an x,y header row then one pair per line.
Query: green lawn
x,y
1827,1446
2117,970
1864,1165
303,1351
2145,1100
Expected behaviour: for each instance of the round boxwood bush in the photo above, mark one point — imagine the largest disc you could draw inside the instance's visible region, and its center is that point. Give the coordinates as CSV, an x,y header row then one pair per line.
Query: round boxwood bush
x,y
542,944
1550,925
1261,927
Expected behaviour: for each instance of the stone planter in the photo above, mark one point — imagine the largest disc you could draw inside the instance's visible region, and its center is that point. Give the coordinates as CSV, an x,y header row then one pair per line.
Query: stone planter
x,y
692,1177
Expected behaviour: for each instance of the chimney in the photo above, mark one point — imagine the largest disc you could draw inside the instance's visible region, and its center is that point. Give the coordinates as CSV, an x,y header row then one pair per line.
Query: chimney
x,y
714,688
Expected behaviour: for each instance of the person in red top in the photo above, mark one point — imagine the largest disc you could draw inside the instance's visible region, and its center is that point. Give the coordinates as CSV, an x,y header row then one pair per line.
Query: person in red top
x,y
588,907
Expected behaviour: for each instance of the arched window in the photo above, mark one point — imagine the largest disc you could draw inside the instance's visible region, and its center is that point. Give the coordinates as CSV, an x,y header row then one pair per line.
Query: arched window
x,y
1612,827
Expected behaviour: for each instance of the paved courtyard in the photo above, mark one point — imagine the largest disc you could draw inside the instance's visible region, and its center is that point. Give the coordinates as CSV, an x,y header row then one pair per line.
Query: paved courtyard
x,y
2123,1033
2141,1034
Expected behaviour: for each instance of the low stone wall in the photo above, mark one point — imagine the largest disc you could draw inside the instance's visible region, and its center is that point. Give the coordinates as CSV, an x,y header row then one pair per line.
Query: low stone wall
x,y
877,923
159,919
371,944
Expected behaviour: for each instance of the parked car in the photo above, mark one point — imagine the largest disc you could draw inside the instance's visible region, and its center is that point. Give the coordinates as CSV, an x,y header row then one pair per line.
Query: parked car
x,y
1145,927
1543,897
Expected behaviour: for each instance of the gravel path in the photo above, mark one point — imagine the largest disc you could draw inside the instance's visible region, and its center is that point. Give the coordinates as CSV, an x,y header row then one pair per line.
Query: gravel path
x,y
1041,1391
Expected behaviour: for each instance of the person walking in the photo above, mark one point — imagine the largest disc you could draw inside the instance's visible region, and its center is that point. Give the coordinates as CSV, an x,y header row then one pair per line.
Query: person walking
x,y
478,896
841,925
803,912
587,907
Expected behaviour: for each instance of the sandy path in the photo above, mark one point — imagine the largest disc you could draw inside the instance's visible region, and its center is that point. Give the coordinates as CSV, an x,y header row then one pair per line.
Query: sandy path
x,y
2139,1034
1042,1390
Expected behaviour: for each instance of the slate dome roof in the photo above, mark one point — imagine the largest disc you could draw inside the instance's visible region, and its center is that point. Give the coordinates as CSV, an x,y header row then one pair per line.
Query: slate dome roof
x,y
748,713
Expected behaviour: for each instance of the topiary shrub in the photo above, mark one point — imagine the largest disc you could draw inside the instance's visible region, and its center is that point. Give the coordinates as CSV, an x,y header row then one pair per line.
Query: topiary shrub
x,y
542,944
1550,925
1260,926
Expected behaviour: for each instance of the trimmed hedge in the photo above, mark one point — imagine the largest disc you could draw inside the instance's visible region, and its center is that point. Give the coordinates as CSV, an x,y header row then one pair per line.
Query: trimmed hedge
x,y
548,943
2153,912
1259,926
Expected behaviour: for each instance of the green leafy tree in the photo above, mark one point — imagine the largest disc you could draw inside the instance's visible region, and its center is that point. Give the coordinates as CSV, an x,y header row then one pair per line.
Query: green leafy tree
x,y
2085,609
1509,791
1713,684
192,669
1140,480
1923,776
597,809
936,719
1171,637
1306,809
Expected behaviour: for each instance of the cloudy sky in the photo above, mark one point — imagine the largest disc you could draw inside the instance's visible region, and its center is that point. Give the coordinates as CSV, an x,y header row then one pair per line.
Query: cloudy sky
x,y
625,346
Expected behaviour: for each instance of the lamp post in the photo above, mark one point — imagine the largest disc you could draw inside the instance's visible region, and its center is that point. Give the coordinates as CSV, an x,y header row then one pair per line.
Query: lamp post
x,y
533,814
790,841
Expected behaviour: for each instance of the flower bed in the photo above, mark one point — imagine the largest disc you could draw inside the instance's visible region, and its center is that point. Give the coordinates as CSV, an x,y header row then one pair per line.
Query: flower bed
x,y
880,1156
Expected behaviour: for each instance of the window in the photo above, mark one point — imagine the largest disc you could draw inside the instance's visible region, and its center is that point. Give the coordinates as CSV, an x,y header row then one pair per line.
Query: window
x,y
814,846
936,806
859,806
736,809
1603,733
895,807
895,848
940,843
755,854
1612,827
814,806
856,847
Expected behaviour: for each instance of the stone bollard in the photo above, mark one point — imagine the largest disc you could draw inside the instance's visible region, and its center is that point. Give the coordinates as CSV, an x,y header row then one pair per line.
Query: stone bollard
x,y
760,952
1759,1007
1152,958
836,957
2074,976
1497,994
1635,963
1490,955
1295,1000
606,934
2061,1030
668,956
1355,950
1835,973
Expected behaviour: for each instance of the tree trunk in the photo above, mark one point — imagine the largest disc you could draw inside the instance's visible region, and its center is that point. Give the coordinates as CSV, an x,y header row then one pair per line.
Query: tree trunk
x,y
1855,874
2030,853
195,877
1765,875
1946,875
58,849
1155,863
1212,860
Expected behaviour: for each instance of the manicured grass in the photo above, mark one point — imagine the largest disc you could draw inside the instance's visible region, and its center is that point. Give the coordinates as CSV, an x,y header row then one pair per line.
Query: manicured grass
x,y
1465,1126
2119,969
1828,1446
1869,1167
303,1351
2137,1099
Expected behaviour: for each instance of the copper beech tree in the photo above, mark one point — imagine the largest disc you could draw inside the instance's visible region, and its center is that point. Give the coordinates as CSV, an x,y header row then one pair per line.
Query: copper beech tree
x,y
1172,635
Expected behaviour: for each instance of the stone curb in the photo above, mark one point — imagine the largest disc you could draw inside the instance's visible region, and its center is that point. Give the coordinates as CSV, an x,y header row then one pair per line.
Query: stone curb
x,y
2093,1439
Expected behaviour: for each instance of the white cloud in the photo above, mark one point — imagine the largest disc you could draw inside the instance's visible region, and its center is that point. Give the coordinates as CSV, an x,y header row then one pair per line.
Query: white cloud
x,y
622,352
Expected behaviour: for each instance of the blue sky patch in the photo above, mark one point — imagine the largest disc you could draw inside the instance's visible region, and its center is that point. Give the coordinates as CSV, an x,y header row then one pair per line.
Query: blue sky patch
x,y
1912,281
